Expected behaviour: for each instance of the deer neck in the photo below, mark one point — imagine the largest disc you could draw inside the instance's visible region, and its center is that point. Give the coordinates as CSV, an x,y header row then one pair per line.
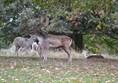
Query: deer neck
x,y
40,38
30,41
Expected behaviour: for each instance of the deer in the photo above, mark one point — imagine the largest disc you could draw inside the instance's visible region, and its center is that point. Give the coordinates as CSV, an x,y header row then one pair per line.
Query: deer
x,y
87,55
47,41
25,43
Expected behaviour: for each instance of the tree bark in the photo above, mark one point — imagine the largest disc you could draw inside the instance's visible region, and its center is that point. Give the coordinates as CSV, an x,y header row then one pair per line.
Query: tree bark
x,y
78,41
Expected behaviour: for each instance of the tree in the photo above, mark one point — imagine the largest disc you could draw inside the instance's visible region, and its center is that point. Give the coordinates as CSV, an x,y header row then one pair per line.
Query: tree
x,y
75,18
18,19
92,17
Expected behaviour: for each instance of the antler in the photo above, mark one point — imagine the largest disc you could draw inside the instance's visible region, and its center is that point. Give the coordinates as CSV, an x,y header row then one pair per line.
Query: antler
x,y
44,21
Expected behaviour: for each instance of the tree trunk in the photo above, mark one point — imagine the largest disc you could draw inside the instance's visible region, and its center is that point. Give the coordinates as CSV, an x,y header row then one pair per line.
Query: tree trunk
x,y
78,41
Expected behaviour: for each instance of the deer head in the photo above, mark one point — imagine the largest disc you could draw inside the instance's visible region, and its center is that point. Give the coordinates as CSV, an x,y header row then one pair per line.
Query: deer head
x,y
44,22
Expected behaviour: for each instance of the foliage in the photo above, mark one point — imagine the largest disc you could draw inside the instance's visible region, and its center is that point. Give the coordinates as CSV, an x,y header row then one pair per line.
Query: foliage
x,y
19,17
101,44
17,20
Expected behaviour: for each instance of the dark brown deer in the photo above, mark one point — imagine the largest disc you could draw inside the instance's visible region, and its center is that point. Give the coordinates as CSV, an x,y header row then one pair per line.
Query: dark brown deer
x,y
48,40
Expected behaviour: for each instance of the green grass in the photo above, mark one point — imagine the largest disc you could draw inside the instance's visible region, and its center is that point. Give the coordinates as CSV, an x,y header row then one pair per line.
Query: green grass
x,y
30,69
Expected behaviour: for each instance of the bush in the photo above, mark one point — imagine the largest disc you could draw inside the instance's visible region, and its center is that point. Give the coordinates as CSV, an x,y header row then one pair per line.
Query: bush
x,y
103,44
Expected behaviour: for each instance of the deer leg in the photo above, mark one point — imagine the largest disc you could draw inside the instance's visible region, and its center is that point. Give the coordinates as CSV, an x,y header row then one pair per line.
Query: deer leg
x,y
45,52
67,50
40,51
16,50
45,55
26,49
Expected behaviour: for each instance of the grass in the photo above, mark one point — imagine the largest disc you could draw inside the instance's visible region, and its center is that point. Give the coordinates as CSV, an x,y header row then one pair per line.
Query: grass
x,y
31,69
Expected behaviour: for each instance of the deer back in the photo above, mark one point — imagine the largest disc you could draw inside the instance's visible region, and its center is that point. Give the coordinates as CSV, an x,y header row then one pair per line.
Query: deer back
x,y
57,40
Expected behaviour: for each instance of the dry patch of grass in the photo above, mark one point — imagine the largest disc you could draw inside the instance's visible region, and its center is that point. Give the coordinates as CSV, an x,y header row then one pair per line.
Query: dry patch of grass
x,y
31,69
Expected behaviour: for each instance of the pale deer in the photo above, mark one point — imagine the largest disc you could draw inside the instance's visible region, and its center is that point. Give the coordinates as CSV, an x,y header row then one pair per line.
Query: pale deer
x,y
87,55
23,42
48,40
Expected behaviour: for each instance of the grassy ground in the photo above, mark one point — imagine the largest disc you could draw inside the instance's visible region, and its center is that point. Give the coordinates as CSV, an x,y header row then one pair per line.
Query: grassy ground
x,y
31,69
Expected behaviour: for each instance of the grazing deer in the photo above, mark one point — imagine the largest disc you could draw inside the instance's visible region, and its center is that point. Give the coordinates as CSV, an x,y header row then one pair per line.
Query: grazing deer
x,y
23,42
48,40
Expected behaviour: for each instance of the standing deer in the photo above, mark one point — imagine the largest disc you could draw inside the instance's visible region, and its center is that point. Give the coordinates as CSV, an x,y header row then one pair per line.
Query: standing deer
x,y
23,42
48,40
